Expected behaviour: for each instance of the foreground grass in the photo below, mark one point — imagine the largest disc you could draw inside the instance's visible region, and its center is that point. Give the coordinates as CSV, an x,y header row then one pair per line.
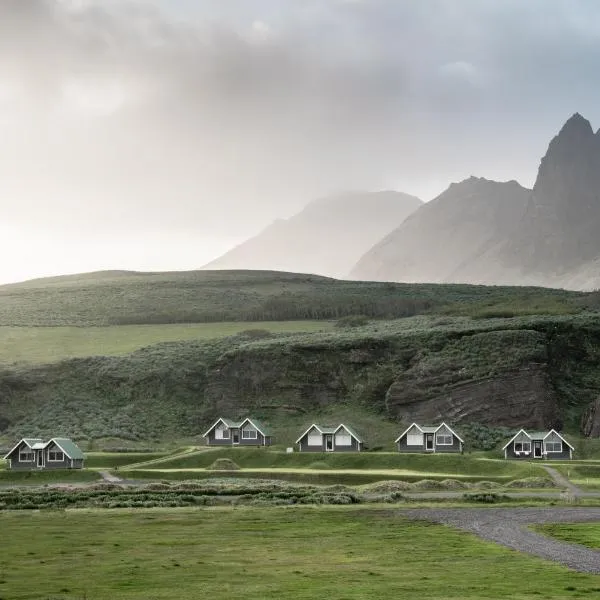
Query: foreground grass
x,y
587,534
263,553
50,344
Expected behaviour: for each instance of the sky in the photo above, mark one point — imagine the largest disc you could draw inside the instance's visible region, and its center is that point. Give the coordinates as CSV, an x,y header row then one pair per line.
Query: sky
x,y
155,135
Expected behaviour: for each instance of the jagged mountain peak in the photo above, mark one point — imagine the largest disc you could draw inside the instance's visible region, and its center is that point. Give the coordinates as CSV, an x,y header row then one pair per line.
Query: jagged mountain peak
x,y
576,124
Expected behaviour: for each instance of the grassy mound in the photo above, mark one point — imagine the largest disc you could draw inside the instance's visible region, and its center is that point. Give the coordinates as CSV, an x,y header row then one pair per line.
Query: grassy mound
x,y
224,464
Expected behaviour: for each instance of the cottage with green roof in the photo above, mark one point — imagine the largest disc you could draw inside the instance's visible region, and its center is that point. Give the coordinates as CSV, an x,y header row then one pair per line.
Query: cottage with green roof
x,y
538,444
429,438
248,432
326,438
35,454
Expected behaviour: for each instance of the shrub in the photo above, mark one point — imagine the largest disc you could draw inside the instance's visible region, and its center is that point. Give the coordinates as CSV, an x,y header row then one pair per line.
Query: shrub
x,y
489,498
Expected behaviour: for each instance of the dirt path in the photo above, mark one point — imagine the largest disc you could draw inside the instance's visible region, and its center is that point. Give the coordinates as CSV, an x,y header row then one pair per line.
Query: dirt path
x,y
110,477
510,527
563,482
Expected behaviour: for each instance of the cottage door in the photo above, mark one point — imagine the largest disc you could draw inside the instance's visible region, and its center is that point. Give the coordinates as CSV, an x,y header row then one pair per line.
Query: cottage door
x,y
429,441
236,436
329,443
537,449
40,458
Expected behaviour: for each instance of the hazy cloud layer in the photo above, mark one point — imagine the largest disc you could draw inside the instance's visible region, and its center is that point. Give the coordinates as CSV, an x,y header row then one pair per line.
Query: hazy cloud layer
x,y
179,127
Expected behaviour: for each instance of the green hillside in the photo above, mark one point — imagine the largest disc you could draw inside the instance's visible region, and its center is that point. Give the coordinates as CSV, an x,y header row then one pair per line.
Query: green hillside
x,y
131,298
525,371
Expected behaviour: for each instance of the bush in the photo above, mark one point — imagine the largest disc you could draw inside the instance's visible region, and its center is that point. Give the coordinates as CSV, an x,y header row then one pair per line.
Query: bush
x,y
489,498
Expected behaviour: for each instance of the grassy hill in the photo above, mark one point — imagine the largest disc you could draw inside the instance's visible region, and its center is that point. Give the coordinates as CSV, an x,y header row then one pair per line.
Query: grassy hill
x,y
131,298
531,371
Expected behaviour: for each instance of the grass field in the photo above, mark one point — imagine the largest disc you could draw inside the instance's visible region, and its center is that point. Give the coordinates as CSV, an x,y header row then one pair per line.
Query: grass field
x,y
42,477
110,460
340,554
587,534
49,344
586,476
448,465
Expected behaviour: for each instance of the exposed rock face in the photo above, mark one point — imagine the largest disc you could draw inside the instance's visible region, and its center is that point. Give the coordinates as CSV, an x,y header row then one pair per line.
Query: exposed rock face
x,y
439,241
512,398
590,420
482,233
326,238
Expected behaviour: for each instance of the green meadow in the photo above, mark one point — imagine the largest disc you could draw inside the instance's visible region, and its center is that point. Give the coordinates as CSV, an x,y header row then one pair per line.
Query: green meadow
x,y
587,534
50,344
301,553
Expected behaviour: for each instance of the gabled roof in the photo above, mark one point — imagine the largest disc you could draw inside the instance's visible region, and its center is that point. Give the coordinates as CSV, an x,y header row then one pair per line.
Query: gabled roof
x,y
429,429
229,423
351,431
514,436
329,429
258,425
31,442
537,435
442,424
69,447
560,436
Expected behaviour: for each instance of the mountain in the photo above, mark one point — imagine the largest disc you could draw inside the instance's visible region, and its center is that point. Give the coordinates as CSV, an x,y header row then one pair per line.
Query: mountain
x,y
327,237
556,242
438,241
485,232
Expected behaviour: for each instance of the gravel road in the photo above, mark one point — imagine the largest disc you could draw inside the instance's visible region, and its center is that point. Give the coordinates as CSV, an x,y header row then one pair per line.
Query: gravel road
x,y
509,527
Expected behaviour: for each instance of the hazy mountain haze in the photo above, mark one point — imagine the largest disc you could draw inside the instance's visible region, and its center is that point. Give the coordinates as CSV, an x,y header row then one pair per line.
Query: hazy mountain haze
x,y
327,237
158,134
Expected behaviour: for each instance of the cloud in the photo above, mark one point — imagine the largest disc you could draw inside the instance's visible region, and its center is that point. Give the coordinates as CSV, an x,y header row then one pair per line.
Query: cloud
x,y
198,118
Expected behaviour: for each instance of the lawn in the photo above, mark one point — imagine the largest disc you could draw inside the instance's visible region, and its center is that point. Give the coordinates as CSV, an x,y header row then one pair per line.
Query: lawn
x,y
301,553
50,344
42,477
118,459
586,476
587,534
450,465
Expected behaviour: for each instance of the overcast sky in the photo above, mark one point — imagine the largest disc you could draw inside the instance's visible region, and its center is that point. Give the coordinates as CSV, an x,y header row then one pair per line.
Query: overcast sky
x,y
155,135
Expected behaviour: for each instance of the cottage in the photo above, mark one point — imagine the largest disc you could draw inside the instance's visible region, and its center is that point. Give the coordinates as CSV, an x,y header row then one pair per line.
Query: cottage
x,y
324,438
538,444
34,453
429,438
248,432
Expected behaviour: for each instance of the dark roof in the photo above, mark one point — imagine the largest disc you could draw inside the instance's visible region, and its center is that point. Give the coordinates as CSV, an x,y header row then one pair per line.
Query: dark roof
x,y
69,447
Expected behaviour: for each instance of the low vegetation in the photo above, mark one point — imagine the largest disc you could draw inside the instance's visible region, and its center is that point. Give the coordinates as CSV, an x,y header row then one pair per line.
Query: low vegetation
x,y
264,553
587,534
43,477
129,298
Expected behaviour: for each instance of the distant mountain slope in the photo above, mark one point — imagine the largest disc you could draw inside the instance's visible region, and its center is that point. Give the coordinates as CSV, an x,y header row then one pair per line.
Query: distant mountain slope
x,y
438,241
327,237
500,233
557,242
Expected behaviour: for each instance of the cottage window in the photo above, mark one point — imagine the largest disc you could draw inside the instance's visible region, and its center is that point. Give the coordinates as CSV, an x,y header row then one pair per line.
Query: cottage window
x,y
522,447
249,434
222,432
554,446
25,456
343,438
56,456
414,439
315,439
443,439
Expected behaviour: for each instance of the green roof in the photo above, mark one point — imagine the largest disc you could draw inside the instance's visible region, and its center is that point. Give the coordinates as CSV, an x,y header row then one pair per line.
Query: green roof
x,y
352,431
260,425
70,448
31,441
